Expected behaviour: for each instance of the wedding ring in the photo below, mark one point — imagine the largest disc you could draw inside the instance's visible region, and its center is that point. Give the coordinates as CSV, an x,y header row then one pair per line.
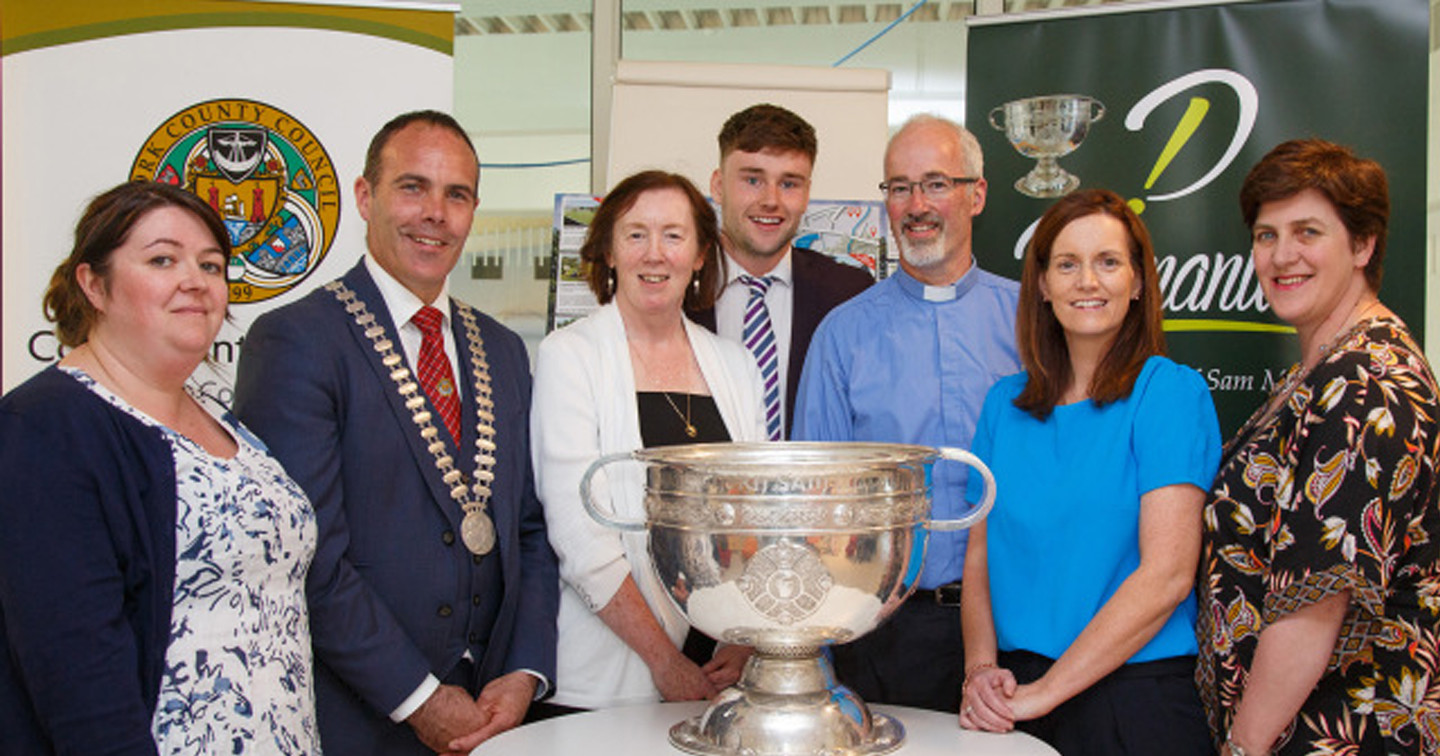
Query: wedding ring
x,y
969,709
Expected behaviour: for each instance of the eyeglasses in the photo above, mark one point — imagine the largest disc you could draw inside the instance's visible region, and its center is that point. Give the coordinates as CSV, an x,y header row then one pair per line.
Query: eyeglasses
x,y
934,187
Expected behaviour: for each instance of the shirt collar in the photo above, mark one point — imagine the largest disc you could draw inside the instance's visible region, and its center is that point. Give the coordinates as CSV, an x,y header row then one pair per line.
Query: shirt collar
x,y
400,301
783,272
937,294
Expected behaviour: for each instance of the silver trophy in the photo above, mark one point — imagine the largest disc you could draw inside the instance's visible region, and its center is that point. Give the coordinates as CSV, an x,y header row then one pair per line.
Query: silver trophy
x,y
1047,128
788,547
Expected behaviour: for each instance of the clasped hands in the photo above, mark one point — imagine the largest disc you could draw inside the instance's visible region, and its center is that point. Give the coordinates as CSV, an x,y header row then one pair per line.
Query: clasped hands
x,y
450,722
993,701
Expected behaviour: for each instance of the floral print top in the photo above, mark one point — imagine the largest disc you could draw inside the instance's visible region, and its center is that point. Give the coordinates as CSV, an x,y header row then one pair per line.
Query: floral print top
x,y
1336,491
238,671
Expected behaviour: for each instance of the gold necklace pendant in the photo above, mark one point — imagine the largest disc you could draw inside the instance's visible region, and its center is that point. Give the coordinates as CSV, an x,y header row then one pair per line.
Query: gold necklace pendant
x,y
685,418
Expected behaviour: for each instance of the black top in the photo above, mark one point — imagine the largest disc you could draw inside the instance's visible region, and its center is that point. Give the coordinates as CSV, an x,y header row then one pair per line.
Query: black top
x,y
663,415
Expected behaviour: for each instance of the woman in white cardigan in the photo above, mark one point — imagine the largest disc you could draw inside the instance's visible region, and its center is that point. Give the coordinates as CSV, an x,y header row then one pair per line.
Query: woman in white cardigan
x,y
634,374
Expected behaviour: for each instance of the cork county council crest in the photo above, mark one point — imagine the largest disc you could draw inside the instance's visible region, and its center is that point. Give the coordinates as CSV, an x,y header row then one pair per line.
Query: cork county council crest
x,y
267,175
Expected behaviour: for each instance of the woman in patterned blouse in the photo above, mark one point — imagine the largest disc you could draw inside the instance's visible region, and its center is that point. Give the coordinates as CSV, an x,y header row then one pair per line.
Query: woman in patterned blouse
x,y
1320,588
152,553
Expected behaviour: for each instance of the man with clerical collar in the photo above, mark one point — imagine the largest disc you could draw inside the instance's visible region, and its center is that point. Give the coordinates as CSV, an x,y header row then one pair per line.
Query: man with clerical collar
x,y
774,294
403,414
910,361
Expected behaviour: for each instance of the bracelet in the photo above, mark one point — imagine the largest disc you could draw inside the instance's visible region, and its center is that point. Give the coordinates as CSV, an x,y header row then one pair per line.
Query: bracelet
x,y
1235,750
972,670
969,671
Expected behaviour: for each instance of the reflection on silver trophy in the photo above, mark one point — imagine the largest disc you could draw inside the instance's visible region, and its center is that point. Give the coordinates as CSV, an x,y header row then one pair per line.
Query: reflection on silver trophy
x,y
1046,128
787,547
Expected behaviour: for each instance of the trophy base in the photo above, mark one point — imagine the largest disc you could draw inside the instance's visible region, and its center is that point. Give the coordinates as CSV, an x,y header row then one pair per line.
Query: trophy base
x,y
787,706
1043,186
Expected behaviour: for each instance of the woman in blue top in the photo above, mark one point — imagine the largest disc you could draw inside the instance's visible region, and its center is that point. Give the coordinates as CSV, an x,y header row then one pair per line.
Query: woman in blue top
x,y
1077,603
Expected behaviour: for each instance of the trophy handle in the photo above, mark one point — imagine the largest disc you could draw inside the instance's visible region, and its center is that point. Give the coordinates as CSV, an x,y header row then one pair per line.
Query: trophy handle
x,y
605,518
994,122
986,501
1097,110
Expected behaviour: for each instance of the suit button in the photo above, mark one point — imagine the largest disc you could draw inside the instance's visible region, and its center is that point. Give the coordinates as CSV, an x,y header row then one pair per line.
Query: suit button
x,y
475,600
448,537
474,638
444,610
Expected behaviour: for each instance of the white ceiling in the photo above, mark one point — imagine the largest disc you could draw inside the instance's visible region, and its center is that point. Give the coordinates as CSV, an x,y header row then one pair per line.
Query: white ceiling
x,y
562,16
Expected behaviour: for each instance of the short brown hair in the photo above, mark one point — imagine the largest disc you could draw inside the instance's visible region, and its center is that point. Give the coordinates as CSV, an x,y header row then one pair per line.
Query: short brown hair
x,y
600,239
1355,186
1043,350
768,127
103,228
429,117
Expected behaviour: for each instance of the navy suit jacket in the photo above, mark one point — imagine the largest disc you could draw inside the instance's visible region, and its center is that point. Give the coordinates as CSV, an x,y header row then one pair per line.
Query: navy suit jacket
x,y
394,594
820,284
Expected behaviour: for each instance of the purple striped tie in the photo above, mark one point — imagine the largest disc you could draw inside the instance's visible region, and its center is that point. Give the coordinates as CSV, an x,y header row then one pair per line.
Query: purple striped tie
x,y
760,340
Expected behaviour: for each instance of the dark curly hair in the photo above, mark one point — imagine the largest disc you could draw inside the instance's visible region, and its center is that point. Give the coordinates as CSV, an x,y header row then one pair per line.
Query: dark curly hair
x,y
103,228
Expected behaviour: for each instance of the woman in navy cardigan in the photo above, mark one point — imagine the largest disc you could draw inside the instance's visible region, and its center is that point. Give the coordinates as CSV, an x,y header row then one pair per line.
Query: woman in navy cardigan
x,y
152,554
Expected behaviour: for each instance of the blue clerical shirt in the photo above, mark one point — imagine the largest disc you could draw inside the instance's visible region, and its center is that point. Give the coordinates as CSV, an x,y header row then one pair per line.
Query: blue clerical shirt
x,y
903,362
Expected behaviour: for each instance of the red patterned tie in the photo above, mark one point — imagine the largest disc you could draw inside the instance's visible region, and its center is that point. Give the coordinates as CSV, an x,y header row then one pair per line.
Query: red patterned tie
x,y
435,375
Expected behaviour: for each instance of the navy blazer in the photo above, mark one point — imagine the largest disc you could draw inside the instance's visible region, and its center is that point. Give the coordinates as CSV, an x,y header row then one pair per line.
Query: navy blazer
x,y
394,594
821,283
87,571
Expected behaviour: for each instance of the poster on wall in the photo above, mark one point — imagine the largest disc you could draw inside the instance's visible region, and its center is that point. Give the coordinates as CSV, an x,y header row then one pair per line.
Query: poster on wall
x,y
1173,119
191,93
851,231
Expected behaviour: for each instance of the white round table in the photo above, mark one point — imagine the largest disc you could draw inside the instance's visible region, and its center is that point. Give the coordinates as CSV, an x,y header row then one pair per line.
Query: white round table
x,y
644,731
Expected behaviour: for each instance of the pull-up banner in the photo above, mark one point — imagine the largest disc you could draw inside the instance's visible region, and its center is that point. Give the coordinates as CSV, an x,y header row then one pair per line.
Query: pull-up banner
x,y
262,109
1170,105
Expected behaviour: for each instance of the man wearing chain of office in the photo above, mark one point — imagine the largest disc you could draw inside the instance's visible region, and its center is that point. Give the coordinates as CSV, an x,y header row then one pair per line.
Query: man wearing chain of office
x,y
403,414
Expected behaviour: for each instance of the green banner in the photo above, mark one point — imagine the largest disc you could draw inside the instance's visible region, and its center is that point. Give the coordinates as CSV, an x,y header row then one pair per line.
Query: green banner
x,y
1183,100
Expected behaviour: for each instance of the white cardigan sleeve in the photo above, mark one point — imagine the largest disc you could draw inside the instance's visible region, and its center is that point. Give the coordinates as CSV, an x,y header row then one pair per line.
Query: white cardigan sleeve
x,y
572,403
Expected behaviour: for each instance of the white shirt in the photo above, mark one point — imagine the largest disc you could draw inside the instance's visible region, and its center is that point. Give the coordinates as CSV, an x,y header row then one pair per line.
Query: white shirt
x,y
402,304
779,299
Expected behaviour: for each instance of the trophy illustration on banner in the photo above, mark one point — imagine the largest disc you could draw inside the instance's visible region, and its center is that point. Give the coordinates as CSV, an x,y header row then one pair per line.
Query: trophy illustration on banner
x,y
787,547
1047,128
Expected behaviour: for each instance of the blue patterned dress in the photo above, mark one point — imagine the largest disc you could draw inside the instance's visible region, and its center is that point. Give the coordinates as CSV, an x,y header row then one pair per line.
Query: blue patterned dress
x,y
238,672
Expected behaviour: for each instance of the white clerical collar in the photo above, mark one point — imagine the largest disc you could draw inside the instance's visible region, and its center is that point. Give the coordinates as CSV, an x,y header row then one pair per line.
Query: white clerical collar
x,y
912,286
938,293
400,301
782,272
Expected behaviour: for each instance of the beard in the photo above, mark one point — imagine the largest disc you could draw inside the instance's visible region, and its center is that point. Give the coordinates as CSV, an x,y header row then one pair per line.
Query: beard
x,y
922,254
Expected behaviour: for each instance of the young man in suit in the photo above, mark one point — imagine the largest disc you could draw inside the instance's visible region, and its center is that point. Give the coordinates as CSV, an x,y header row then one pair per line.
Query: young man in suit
x,y
767,154
403,414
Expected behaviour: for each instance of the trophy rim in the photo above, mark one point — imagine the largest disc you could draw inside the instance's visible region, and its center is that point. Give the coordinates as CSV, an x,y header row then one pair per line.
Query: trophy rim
x,y
809,455
1061,96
